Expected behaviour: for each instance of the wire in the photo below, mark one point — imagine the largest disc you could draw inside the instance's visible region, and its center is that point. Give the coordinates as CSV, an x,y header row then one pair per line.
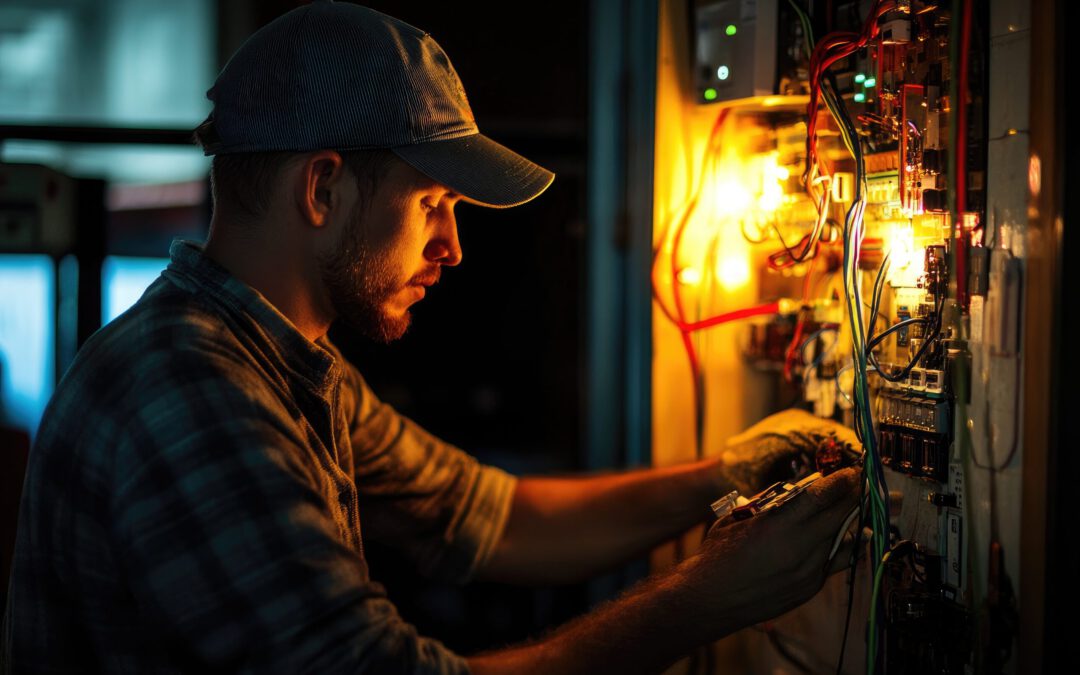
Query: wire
x,y
901,548
988,430
677,315
879,286
745,313
851,576
932,337
832,48
827,328
789,353
687,210
839,388
879,338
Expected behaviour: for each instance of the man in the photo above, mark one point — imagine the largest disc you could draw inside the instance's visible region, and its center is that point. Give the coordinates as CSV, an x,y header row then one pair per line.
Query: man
x,y
196,495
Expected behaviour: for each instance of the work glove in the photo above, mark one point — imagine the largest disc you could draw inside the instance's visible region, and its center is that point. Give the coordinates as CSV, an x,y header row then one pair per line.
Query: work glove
x,y
781,447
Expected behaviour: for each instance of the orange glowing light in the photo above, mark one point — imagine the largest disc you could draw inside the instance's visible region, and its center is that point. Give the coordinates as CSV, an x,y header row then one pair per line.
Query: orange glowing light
x,y
733,271
690,276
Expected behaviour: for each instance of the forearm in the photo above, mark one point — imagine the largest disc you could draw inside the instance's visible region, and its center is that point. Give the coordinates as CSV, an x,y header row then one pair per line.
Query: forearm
x,y
745,572
645,630
567,529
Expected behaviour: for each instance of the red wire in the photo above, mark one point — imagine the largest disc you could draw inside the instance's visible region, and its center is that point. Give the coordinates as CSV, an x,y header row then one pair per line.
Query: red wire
x,y
688,344
806,281
680,314
745,313
833,47
785,258
789,354
880,70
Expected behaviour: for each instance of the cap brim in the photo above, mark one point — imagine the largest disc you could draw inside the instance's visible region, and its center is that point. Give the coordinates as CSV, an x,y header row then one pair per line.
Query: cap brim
x,y
479,169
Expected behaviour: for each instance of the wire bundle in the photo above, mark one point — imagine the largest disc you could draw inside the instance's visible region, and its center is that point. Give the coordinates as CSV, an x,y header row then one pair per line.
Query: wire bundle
x,y
832,48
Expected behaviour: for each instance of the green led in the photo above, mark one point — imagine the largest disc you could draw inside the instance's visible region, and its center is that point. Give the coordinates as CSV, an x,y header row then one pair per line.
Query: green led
x,y
860,77
860,97
870,82
710,94
730,30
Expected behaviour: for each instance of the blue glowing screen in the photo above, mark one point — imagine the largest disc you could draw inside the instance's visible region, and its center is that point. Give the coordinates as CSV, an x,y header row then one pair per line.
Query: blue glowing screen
x,y
123,281
27,338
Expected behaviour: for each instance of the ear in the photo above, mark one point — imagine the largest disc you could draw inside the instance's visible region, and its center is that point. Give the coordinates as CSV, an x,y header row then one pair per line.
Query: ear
x,y
318,190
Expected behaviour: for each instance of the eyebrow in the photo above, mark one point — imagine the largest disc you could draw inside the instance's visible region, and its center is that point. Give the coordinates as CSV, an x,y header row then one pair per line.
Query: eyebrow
x,y
447,194
435,186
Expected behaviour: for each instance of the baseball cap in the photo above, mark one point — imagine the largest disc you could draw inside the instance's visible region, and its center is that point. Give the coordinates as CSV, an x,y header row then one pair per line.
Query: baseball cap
x,y
334,75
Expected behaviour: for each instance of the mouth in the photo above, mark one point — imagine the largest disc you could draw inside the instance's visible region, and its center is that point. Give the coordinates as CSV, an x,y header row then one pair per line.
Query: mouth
x,y
427,279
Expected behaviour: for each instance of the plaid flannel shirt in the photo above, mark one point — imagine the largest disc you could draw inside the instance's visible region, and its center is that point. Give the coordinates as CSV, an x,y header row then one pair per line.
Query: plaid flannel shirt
x,y
195,496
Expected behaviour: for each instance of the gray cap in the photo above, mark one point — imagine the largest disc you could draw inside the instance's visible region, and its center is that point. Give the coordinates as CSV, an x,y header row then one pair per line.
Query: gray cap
x,y
339,76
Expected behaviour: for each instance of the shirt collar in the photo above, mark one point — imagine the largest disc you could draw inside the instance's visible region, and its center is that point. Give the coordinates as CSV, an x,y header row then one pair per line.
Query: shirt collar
x,y
191,267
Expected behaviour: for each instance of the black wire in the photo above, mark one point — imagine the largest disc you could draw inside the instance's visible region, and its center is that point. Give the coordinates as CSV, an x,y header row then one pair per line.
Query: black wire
x,y
875,307
851,574
879,338
811,243
898,551
930,339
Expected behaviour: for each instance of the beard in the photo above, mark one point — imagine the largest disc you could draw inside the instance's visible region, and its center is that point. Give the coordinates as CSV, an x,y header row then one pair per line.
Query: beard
x,y
360,281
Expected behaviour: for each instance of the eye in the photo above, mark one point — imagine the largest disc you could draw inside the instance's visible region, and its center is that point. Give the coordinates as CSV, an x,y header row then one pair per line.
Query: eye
x,y
427,206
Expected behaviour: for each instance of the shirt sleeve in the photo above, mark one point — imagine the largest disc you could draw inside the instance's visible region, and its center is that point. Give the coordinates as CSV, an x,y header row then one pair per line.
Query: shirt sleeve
x,y
231,552
432,502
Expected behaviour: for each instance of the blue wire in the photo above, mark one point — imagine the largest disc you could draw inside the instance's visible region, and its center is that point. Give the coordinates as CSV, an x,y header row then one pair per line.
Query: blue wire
x,y
821,355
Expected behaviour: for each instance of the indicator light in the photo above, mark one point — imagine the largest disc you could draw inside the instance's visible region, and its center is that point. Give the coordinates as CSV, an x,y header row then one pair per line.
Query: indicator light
x,y
860,97
860,78
730,30
870,82
710,94
723,72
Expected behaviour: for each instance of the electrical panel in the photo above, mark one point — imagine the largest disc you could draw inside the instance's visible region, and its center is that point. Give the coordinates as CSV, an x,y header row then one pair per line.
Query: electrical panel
x,y
734,48
881,284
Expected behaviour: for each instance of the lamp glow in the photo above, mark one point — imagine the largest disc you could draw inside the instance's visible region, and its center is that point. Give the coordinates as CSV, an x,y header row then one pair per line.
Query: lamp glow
x,y
733,272
689,276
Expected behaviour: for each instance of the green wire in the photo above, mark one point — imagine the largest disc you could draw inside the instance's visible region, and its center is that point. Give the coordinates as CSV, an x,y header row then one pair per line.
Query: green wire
x,y
858,334
853,221
807,30
871,650
879,513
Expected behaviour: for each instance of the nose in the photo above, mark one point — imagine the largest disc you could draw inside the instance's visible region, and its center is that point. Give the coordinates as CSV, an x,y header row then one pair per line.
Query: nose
x,y
444,247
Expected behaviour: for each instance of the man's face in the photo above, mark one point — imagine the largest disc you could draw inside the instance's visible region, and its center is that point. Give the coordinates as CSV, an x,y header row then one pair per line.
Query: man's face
x,y
391,249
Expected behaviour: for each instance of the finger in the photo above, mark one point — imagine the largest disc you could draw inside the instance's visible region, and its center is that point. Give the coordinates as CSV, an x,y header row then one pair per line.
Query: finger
x,y
833,522
835,493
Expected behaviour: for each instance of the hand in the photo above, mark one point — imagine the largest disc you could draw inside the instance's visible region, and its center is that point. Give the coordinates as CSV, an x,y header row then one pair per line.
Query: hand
x,y
756,569
779,447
